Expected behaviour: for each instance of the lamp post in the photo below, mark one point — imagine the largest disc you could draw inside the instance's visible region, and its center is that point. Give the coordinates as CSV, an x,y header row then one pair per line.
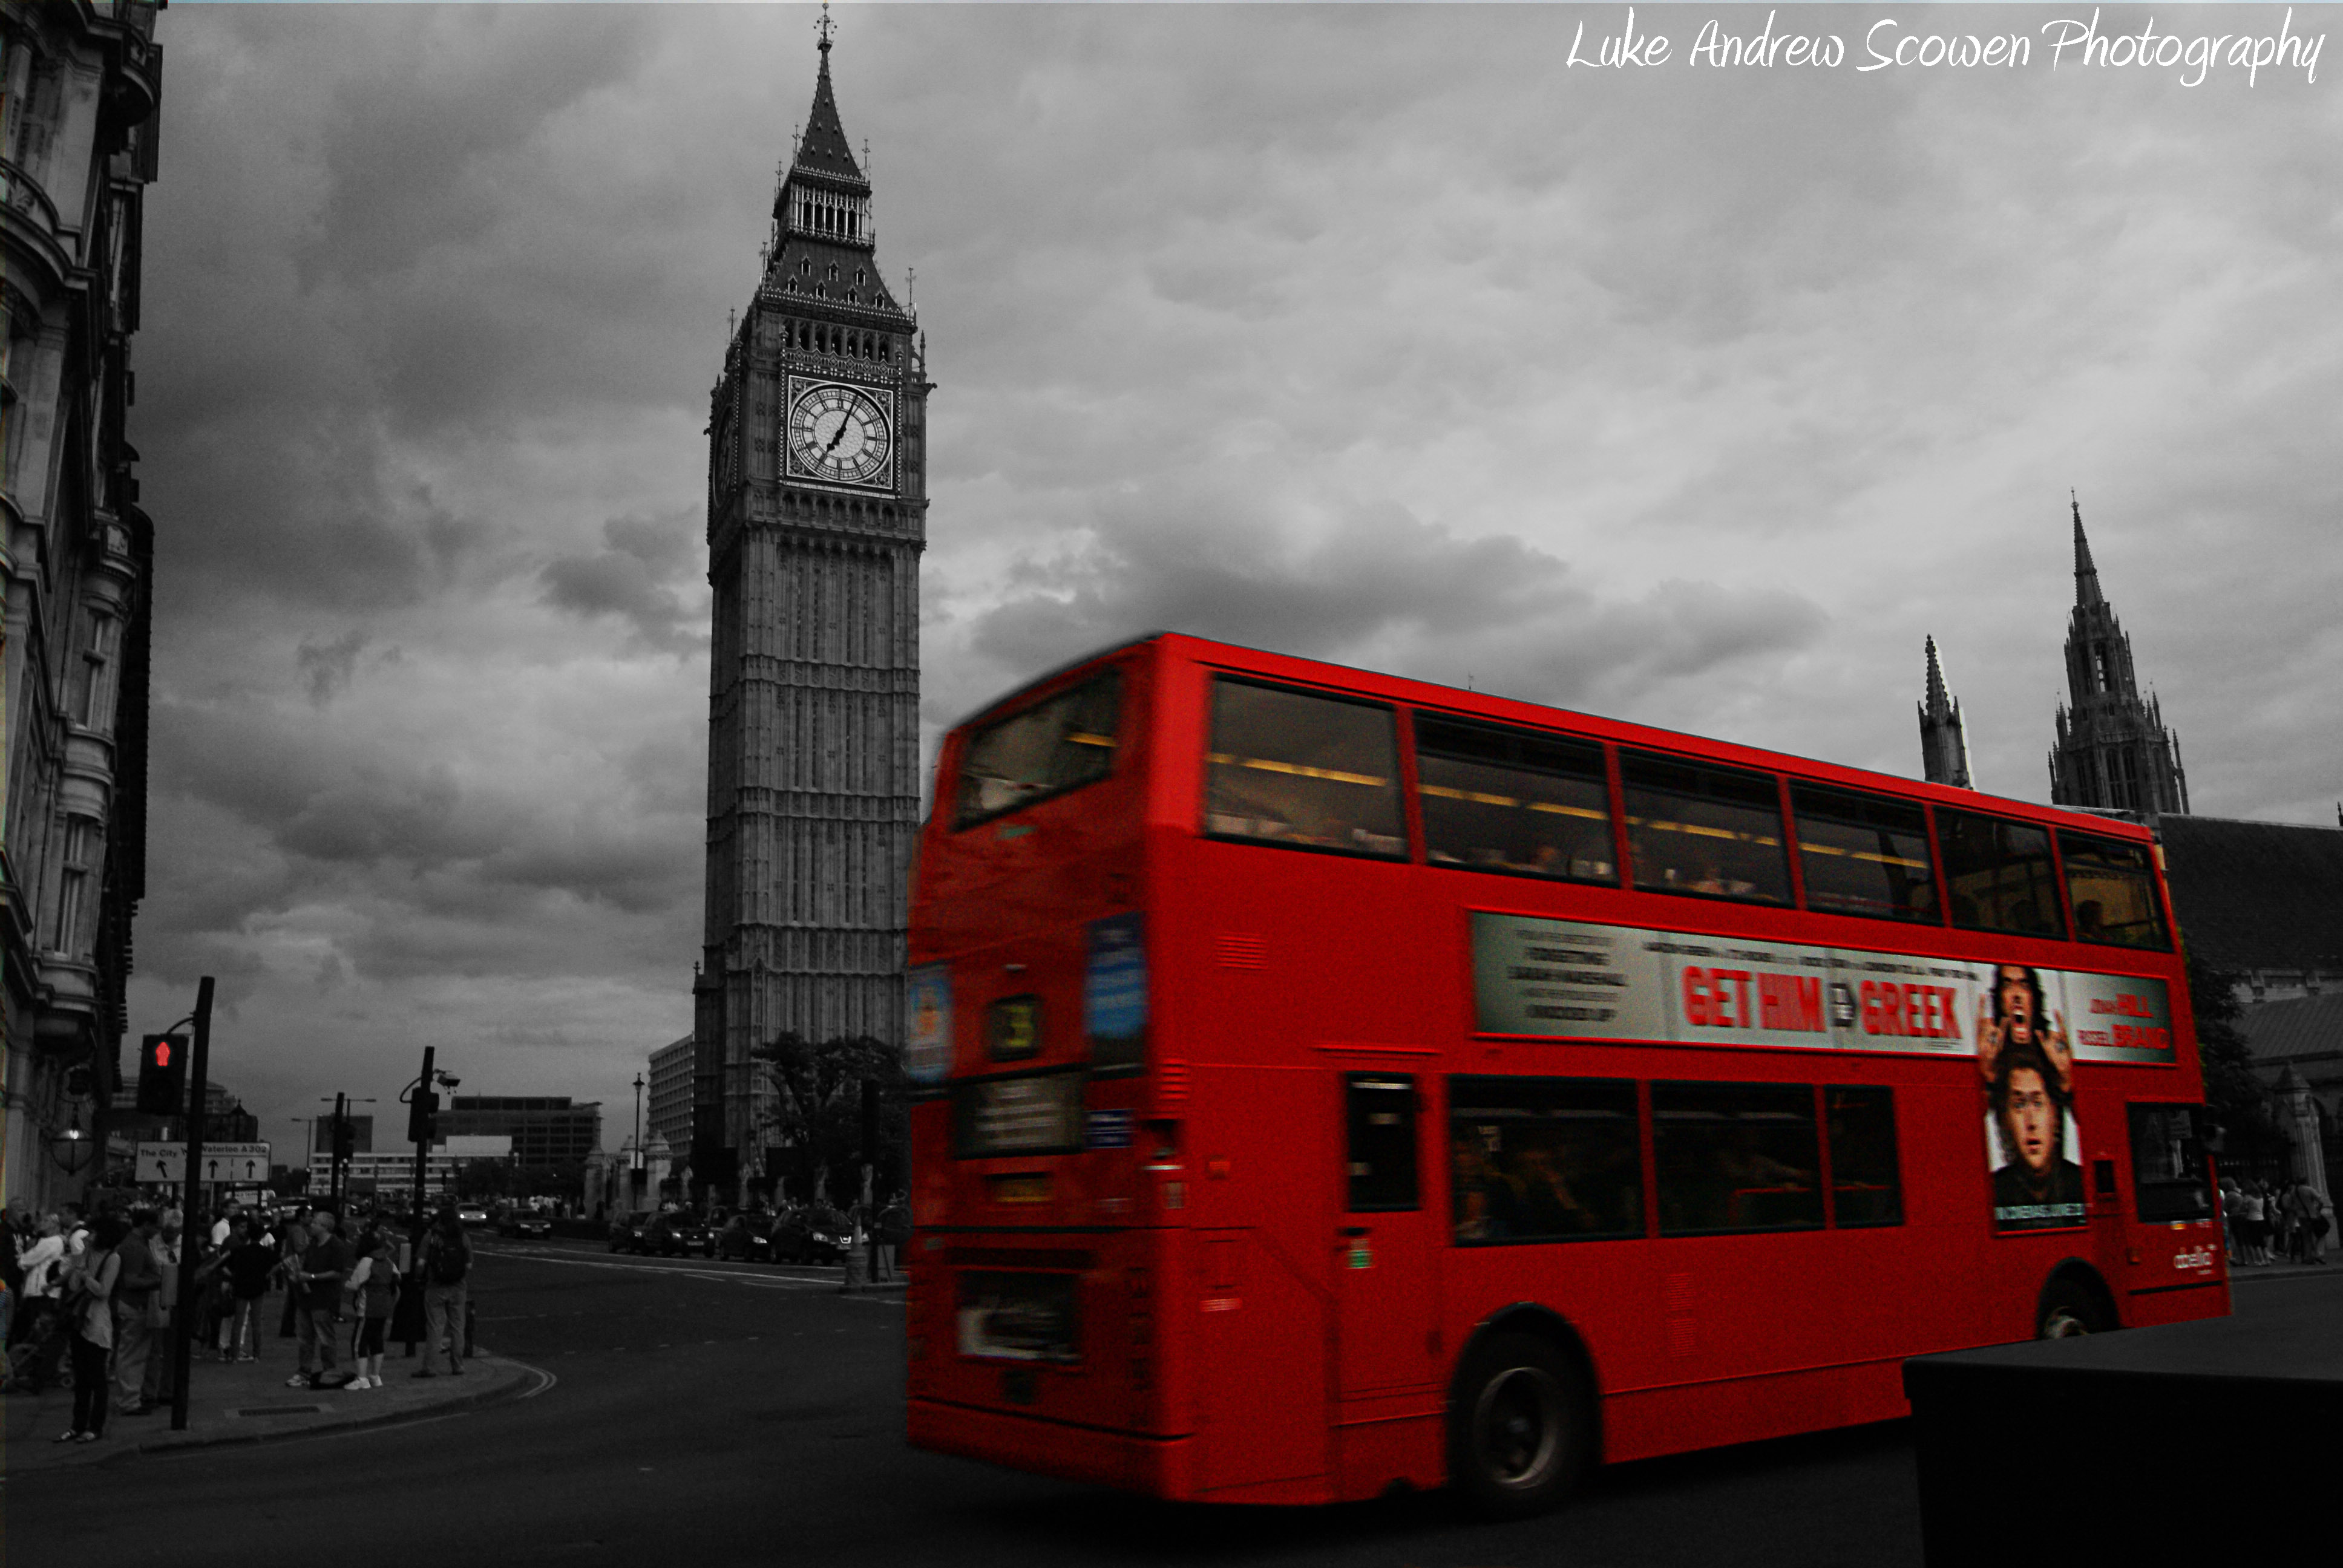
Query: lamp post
x,y
635,1164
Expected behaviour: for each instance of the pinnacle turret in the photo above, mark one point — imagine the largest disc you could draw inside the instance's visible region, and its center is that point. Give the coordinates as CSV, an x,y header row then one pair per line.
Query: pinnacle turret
x,y
2087,575
1944,748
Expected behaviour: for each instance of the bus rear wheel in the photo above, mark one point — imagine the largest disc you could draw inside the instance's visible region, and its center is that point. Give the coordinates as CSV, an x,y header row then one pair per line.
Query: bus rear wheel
x,y
2067,1311
1521,1431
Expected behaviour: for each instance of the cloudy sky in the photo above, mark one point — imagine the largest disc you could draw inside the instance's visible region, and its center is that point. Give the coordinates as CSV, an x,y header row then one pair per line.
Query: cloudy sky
x,y
1382,333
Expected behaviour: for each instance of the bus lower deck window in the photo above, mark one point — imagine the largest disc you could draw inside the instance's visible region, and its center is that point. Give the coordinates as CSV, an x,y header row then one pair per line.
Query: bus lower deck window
x,y
1736,1157
1544,1160
1866,1187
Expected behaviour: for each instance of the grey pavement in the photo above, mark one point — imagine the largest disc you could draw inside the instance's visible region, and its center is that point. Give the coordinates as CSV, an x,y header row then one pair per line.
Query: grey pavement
x,y
248,1401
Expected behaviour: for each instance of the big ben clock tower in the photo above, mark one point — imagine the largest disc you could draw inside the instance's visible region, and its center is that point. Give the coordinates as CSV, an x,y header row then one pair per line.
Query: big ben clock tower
x,y
816,508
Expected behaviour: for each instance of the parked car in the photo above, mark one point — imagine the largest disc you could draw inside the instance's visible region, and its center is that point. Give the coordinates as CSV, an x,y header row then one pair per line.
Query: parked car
x,y
630,1233
811,1235
749,1237
524,1223
678,1233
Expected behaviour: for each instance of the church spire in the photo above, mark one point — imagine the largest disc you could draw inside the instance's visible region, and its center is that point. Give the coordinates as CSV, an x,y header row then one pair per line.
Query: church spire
x,y
2087,575
1943,749
2112,751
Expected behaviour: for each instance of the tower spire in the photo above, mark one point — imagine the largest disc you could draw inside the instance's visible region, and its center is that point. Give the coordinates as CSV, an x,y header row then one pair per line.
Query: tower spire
x,y
2087,575
1944,748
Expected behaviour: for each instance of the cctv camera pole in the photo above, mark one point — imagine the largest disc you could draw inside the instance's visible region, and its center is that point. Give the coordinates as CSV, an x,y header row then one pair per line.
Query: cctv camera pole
x,y
183,1320
341,1119
419,1127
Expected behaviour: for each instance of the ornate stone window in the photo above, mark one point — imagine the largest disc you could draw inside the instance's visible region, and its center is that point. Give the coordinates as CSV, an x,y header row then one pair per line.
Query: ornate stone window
x,y
93,703
73,880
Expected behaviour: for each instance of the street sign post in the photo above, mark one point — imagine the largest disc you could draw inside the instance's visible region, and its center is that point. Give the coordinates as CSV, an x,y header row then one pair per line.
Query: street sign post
x,y
236,1165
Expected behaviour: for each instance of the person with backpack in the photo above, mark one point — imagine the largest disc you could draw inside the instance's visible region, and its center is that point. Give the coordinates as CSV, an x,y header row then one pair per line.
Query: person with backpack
x,y
446,1265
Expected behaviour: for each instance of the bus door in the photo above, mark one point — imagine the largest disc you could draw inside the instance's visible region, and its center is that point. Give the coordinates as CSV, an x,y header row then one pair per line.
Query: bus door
x,y
1385,1243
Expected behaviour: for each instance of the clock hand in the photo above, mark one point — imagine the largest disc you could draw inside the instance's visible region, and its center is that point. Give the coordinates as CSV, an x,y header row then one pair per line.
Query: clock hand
x,y
834,441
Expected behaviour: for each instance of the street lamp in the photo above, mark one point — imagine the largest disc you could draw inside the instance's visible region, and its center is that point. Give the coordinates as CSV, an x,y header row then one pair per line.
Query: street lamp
x,y
635,1165
72,1147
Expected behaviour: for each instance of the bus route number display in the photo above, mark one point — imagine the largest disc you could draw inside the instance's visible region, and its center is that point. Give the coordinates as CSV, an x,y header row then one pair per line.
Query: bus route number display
x,y
1576,980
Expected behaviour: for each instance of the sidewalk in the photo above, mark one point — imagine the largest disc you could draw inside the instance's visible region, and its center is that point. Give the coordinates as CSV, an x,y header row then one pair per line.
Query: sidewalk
x,y
249,1402
2241,1273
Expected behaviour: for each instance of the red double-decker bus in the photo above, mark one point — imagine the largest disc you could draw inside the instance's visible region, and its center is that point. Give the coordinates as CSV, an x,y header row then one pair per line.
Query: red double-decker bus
x,y
1338,1082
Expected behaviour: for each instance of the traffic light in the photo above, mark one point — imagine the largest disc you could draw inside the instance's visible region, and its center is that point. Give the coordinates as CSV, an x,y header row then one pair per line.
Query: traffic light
x,y
163,1075
423,1117
346,1139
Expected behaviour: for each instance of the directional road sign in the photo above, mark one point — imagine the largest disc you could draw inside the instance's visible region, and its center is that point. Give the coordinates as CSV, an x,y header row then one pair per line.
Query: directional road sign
x,y
243,1164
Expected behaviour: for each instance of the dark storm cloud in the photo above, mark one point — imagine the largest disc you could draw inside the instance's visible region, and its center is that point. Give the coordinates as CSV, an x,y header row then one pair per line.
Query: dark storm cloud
x,y
643,579
1378,585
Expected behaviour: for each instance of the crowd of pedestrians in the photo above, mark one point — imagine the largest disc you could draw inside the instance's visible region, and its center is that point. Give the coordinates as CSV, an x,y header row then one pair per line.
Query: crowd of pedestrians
x,y
2265,1221
90,1299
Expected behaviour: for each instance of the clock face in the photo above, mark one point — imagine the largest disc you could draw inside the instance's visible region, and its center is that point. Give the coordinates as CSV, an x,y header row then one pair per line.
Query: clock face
x,y
839,433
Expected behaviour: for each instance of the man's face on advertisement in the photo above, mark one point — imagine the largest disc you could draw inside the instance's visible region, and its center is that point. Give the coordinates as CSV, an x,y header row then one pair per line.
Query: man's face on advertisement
x,y
2032,1119
2016,1009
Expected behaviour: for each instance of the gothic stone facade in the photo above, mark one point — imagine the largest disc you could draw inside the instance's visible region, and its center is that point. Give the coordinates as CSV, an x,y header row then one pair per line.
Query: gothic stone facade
x,y
817,515
79,85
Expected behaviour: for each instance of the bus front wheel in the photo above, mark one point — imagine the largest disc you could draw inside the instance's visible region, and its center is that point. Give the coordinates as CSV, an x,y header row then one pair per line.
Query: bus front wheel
x,y
1522,1429
2068,1310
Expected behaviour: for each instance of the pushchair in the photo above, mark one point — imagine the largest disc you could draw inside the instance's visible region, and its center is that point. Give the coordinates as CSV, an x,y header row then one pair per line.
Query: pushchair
x,y
37,1350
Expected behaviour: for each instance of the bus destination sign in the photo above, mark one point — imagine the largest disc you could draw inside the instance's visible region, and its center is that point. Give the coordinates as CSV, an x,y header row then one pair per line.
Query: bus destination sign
x,y
1577,980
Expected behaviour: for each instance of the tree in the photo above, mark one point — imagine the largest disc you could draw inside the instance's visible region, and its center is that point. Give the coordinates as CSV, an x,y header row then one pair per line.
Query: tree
x,y
2232,1090
484,1178
817,1120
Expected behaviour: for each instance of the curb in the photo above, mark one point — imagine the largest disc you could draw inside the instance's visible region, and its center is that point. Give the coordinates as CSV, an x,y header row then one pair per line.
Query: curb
x,y
530,1381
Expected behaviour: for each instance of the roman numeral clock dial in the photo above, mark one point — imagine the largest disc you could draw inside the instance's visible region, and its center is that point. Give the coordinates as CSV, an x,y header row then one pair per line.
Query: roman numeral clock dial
x,y
841,433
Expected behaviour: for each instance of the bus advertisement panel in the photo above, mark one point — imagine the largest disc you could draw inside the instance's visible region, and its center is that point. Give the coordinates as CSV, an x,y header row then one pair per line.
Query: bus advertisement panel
x,y
1580,981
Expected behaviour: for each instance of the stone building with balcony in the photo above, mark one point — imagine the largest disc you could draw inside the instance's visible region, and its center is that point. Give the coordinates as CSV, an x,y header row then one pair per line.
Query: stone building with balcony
x,y
80,83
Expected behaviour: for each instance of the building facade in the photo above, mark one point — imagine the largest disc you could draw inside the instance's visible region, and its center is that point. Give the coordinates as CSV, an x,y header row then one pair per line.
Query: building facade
x,y
79,85
816,510
546,1130
2113,751
1944,747
667,1109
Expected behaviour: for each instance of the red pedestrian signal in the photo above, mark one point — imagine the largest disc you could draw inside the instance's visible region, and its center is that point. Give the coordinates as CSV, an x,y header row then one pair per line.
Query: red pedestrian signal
x,y
163,1075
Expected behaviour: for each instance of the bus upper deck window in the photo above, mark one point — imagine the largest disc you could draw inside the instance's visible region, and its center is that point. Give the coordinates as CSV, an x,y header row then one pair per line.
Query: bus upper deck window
x,y
1694,829
1998,875
2112,888
1059,744
1295,768
1514,801
1864,854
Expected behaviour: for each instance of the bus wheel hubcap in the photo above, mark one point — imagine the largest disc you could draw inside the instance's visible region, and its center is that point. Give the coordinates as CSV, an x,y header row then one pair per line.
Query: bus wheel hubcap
x,y
1521,1426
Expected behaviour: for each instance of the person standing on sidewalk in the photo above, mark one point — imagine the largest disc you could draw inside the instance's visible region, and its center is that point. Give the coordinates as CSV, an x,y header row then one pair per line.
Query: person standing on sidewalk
x,y
134,1299
251,1260
446,1265
90,1280
317,1271
161,1381
376,1285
